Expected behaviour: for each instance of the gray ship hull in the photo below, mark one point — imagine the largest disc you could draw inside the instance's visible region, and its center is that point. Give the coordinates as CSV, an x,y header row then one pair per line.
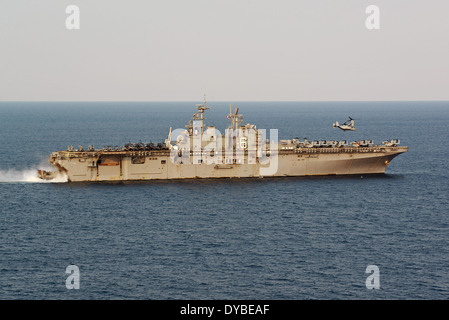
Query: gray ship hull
x,y
121,166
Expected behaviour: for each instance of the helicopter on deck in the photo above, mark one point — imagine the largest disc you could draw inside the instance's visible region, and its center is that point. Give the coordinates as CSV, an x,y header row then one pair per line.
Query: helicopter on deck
x,y
347,125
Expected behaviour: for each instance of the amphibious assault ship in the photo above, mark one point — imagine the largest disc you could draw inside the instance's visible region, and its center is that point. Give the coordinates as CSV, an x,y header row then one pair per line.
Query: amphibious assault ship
x,y
197,151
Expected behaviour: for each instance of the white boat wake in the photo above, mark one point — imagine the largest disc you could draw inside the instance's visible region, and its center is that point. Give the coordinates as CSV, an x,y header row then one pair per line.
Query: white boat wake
x,y
27,175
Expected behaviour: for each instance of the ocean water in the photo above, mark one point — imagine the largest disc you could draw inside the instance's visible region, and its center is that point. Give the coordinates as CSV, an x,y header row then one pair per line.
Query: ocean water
x,y
277,238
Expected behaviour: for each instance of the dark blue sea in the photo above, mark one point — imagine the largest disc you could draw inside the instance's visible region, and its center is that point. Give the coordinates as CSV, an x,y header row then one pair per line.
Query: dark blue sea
x,y
270,238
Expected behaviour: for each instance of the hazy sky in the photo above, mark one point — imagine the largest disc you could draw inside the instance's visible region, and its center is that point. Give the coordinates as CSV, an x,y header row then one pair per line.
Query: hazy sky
x,y
232,50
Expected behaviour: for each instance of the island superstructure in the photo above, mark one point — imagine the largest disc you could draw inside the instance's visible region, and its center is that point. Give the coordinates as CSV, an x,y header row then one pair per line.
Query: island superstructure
x,y
197,151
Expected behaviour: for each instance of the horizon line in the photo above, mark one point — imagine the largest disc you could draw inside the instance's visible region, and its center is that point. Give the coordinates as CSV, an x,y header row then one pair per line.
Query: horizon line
x,y
146,101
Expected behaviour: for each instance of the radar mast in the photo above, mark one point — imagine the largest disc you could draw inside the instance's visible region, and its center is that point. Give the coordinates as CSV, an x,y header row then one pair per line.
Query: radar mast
x,y
235,118
199,115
